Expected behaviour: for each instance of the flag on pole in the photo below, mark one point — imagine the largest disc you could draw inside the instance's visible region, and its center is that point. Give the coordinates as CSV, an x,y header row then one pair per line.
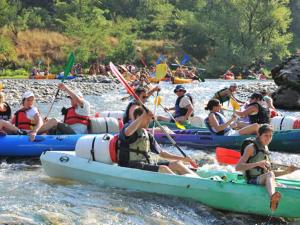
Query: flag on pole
x,y
185,59
160,59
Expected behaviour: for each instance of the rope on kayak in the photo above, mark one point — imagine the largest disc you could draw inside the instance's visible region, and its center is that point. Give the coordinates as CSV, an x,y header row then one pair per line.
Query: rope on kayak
x,y
92,150
281,122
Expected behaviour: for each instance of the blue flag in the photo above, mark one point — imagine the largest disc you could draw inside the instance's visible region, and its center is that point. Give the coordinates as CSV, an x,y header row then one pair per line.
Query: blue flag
x,y
160,58
184,60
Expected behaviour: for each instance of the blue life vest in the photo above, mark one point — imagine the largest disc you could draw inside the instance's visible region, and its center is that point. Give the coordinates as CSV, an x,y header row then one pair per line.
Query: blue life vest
x,y
182,111
221,121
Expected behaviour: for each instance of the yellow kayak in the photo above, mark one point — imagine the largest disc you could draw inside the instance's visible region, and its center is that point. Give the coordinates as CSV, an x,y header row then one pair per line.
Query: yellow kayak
x,y
177,80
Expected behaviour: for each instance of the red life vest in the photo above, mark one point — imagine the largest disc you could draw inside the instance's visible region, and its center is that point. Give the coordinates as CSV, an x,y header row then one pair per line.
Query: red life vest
x,y
71,117
21,120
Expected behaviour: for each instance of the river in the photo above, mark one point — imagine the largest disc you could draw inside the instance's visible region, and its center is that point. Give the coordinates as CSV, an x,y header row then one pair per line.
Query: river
x,y
29,196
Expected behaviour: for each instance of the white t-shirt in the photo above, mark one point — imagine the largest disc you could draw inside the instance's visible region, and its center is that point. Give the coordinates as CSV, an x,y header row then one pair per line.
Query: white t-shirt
x,y
83,111
185,102
30,113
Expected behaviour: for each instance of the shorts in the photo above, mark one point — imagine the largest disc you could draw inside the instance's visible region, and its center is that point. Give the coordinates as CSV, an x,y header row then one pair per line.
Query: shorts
x,y
254,181
154,167
232,133
61,128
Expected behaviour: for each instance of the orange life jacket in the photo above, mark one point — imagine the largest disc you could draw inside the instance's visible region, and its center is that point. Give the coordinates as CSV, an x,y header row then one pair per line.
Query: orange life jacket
x,y
21,120
71,117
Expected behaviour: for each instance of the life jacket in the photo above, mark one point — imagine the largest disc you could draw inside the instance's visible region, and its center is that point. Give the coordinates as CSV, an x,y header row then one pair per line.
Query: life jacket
x,y
221,121
21,121
71,117
222,99
263,115
126,118
139,150
7,114
182,111
260,153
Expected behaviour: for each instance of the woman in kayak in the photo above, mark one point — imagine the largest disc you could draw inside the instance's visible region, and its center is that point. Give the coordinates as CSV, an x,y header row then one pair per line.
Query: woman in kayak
x,y
256,164
5,111
217,124
138,147
28,117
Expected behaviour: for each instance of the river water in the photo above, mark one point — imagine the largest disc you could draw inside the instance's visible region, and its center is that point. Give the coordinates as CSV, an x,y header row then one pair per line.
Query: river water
x,y
29,196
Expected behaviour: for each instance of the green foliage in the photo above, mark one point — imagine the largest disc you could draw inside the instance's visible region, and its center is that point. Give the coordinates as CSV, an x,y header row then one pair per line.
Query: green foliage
x,y
7,51
216,34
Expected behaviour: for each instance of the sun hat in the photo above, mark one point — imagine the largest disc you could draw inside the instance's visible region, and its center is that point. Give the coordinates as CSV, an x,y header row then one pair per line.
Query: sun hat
x,y
179,87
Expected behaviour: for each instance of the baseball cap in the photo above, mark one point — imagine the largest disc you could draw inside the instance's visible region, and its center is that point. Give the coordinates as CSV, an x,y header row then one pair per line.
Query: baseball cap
x,y
233,85
27,94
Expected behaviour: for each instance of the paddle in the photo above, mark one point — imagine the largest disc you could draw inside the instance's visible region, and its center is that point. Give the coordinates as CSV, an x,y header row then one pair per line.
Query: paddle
x,y
232,157
156,99
235,105
119,76
67,70
178,124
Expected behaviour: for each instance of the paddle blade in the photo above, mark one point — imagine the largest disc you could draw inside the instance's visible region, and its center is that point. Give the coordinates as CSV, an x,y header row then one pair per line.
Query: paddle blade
x,y
157,100
69,65
179,125
234,104
161,70
227,156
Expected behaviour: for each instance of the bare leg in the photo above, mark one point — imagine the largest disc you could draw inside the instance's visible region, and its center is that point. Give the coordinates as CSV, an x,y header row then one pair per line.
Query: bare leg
x,y
251,129
179,168
268,179
163,118
165,169
7,126
48,125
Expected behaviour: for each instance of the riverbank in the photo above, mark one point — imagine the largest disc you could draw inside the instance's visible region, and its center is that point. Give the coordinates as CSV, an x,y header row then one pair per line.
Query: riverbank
x,y
45,90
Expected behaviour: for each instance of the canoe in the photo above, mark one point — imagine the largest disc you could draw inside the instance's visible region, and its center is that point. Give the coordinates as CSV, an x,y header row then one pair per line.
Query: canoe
x,y
61,76
21,146
173,126
178,80
216,193
283,141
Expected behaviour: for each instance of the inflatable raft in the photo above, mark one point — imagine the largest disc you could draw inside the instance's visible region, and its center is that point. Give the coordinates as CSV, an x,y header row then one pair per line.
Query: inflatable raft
x,y
283,141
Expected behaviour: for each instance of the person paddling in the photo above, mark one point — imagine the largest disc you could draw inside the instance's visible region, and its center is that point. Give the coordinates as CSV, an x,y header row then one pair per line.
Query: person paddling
x,y
28,118
225,94
183,106
143,94
76,117
218,125
255,163
138,147
255,111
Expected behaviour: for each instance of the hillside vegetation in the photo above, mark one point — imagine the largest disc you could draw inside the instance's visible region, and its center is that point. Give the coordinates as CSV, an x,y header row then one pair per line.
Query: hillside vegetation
x,y
214,34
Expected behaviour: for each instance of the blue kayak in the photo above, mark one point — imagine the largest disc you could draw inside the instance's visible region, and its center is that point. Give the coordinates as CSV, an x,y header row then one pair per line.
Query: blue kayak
x,y
21,146
61,76
283,141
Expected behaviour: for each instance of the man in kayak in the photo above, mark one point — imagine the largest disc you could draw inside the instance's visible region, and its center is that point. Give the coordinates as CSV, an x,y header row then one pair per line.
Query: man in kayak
x,y
256,164
268,103
183,106
138,147
255,111
225,94
76,117
218,125
143,94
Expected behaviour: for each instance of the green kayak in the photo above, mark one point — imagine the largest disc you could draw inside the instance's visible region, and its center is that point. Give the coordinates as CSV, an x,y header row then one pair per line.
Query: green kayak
x,y
225,191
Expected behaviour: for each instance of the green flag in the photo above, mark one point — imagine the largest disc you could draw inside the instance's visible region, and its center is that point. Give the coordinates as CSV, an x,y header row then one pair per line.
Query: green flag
x,y
69,65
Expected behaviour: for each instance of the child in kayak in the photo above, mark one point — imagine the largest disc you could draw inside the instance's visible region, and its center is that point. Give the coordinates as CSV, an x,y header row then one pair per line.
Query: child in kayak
x,y
225,94
218,125
256,164
138,148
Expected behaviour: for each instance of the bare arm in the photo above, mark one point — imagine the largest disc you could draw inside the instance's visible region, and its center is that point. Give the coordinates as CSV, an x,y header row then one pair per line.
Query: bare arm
x,y
215,124
138,123
247,112
242,165
65,88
